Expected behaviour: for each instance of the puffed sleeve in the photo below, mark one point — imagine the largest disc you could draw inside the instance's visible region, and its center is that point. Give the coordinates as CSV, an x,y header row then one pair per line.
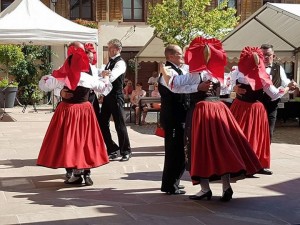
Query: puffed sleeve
x,y
273,92
103,86
49,83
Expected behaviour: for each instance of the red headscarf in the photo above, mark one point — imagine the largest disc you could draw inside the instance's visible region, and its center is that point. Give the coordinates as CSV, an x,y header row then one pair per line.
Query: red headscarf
x,y
89,47
195,57
76,63
254,71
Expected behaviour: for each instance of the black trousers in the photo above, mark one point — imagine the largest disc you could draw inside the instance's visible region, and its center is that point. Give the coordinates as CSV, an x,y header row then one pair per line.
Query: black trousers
x,y
113,106
271,108
174,164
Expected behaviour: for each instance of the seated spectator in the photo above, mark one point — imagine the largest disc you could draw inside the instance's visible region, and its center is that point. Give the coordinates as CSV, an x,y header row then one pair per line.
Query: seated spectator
x,y
134,99
152,80
128,91
155,93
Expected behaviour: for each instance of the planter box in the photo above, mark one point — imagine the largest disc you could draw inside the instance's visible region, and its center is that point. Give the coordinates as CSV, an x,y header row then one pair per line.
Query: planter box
x,y
9,94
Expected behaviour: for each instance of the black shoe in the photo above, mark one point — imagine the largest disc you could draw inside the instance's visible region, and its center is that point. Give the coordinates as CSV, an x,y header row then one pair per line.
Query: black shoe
x,y
180,186
126,157
88,180
265,171
207,195
227,195
78,181
69,173
113,156
176,192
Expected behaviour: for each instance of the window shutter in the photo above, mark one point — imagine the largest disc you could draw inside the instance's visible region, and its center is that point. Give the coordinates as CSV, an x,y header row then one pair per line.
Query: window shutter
x,y
115,10
101,10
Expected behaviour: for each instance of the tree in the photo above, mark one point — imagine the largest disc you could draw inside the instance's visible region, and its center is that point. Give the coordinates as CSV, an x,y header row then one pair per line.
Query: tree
x,y
180,21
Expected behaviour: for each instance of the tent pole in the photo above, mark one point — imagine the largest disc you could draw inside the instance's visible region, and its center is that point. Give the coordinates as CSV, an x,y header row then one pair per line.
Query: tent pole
x,y
136,70
297,68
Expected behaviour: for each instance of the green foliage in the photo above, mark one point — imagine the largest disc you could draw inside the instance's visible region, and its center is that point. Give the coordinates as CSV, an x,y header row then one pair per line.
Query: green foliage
x,y
87,23
180,21
29,71
6,83
10,55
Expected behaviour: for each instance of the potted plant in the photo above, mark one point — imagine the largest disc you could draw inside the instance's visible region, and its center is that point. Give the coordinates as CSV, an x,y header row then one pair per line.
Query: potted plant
x,y
10,55
29,71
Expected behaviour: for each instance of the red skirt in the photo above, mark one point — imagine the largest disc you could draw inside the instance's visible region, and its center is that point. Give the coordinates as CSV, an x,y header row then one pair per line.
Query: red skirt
x,y
73,139
253,120
218,145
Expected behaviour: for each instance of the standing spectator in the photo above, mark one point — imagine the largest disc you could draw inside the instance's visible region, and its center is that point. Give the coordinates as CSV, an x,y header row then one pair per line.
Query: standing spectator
x,y
172,119
136,95
153,79
73,139
113,104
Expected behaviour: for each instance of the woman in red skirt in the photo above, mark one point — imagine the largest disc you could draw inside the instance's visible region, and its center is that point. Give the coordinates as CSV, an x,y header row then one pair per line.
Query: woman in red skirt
x,y
73,139
218,147
249,112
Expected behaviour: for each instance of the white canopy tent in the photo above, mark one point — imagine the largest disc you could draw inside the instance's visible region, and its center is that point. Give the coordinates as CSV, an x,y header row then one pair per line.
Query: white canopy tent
x,y
276,24
32,22
153,51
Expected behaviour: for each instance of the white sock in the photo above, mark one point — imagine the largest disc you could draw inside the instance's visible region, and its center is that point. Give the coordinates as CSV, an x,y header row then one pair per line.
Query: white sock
x,y
204,183
226,181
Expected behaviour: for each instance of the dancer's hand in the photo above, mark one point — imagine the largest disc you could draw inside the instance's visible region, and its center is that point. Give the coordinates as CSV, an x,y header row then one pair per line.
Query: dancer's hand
x,y
238,90
64,93
205,86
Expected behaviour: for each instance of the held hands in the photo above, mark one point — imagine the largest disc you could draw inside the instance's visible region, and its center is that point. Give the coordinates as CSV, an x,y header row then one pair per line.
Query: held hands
x,y
105,73
238,90
164,70
292,85
65,94
205,86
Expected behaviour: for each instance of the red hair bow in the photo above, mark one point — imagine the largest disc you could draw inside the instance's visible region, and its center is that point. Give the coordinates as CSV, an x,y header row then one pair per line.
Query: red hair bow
x,y
89,47
214,60
76,63
251,64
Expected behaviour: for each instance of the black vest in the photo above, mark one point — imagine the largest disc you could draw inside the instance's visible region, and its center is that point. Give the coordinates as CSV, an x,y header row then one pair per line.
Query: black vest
x,y
173,110
117,89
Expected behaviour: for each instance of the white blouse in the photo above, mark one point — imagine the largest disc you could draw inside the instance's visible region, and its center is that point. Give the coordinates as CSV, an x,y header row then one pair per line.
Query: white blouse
x,y
189,81
270,90
98,84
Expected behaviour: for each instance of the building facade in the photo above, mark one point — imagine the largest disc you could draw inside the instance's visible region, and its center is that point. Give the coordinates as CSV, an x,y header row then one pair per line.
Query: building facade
x,y
127,20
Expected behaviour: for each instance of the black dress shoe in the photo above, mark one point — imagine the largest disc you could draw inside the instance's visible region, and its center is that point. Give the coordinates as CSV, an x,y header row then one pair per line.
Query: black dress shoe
x,y
227,195
176,192
113,156
126,157
78,181
206,195
88,180
265,171
180,186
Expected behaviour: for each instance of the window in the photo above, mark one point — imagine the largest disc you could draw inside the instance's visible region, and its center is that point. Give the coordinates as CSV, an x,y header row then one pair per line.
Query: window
x,y
81,9
231,3
133,10
5,4
274,1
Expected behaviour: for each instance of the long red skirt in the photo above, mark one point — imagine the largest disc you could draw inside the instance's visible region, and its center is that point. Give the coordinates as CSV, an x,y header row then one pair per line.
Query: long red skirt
x,y
218,145
253,120
73,139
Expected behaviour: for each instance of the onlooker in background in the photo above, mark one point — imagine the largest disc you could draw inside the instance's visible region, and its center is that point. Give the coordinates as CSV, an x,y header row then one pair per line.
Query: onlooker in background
x,y
153,79
136,95
155,93
127,90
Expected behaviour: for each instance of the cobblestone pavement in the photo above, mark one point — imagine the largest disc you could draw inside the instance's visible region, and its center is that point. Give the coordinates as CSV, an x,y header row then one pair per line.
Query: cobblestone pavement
x,y
129,192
